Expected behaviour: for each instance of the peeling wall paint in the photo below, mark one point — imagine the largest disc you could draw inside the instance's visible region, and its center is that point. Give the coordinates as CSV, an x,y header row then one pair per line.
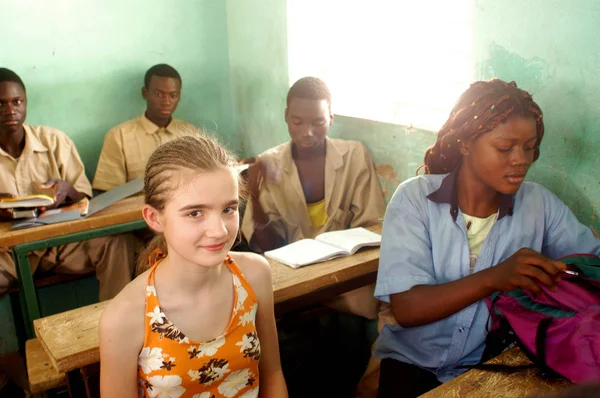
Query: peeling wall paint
x,y
552,49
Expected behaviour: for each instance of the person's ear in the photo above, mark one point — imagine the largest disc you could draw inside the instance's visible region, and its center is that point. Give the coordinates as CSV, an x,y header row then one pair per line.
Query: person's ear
x,y
153,218
466,147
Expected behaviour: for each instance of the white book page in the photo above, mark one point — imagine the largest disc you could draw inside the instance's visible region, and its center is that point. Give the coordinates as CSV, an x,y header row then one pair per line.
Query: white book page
x,y
350,240
304,252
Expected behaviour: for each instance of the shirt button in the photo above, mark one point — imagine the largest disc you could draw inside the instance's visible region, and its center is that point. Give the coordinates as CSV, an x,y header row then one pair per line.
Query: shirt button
x,y
461,329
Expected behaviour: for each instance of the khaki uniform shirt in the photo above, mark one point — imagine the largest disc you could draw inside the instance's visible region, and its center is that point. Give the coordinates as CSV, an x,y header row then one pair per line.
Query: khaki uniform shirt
x,y
48,153
128,146
353,195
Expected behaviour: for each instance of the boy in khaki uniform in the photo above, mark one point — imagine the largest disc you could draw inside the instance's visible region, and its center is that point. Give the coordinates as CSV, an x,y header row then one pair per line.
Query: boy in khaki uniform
x,y
34,155
313,184
128,146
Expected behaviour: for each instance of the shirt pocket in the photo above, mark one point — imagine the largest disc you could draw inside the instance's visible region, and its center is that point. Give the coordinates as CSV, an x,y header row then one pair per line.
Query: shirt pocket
x,y
339,219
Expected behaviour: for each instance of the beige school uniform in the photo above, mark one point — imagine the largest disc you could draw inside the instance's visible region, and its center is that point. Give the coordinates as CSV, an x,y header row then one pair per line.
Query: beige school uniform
x,y
128,146
353,198
49,153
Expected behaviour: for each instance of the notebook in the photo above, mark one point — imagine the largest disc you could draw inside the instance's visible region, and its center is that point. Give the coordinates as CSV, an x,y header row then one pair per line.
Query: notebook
x,y
96,204
23,213
26,201
323,247
83,206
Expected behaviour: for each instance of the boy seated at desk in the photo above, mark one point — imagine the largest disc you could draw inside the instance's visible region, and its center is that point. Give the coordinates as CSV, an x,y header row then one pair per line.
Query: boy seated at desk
x,y
128,146
34,155
313,184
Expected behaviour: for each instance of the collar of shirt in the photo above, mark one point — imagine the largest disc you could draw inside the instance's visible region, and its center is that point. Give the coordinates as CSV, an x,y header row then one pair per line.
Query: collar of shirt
x,y
447,193
334,156
151,128
32,144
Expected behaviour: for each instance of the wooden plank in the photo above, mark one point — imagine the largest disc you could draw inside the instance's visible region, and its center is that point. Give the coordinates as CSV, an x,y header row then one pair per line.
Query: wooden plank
x,y
40,372
126,210
482,383
71,338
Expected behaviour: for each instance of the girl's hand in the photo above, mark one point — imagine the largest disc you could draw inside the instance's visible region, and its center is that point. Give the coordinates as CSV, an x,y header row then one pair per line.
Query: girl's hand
x,y
526,269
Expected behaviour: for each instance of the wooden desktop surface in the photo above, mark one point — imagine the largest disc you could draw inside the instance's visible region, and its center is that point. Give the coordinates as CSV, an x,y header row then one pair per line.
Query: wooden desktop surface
x,y
125,210
490,384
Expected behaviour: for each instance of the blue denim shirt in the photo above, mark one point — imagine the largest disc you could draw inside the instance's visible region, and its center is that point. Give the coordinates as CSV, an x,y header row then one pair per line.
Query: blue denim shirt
x,y
424,242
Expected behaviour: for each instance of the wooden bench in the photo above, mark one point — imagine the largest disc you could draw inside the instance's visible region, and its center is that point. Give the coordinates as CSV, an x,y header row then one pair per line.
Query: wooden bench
x,y
40,372
490,384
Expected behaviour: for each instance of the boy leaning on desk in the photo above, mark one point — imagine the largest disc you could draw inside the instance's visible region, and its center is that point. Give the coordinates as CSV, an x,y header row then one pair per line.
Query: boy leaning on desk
x,y
34,155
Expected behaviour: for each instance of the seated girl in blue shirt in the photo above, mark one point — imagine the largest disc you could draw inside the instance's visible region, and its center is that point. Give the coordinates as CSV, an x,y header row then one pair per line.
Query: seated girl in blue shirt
x,y
467,228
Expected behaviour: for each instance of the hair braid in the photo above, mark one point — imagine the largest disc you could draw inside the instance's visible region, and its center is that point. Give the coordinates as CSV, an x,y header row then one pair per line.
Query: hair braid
x,y
479,110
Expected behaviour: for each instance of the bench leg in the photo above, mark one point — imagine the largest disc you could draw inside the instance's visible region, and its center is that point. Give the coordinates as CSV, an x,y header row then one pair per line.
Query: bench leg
x,y
29,304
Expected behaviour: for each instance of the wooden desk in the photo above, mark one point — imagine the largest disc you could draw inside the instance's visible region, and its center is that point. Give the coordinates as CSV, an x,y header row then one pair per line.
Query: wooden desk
x,y
481,383
71,338
122,216
126,210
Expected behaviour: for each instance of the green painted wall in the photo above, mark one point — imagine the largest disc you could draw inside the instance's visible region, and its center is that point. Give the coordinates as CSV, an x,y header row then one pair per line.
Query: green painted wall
x,y
83,62
550,47
259,72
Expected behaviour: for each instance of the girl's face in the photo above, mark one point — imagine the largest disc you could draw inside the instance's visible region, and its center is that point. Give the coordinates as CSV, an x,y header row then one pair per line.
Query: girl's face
x,y
501,158
200,222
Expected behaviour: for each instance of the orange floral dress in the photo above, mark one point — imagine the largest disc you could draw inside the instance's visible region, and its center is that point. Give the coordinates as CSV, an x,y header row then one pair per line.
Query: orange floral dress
x,y
171,365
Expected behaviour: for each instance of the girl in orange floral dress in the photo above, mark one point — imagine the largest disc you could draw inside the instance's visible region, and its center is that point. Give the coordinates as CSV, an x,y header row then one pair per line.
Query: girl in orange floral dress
x,y
200,322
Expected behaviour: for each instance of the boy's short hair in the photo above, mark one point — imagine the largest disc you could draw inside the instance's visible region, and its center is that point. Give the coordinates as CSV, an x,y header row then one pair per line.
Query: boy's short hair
x,y
7,75
311,88
162,70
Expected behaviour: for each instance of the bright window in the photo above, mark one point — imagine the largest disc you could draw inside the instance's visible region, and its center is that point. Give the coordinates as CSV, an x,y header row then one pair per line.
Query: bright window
x,y
396,61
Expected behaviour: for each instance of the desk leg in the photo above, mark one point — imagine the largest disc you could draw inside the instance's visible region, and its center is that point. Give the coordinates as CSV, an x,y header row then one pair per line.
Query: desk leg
x,y
27,294
75,384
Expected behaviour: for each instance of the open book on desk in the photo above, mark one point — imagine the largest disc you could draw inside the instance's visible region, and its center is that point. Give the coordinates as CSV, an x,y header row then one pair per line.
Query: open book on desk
x,y
323,247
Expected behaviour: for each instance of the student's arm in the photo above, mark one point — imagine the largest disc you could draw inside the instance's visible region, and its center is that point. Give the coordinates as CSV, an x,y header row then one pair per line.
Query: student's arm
x,y
262,232
258,272
425,304
121,340
367,204
72,184
406,274
564,234
64,192
112,169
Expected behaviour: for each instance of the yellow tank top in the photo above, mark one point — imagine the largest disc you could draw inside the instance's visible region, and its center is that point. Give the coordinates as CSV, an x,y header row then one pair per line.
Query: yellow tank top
x,y
171,365
317,213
